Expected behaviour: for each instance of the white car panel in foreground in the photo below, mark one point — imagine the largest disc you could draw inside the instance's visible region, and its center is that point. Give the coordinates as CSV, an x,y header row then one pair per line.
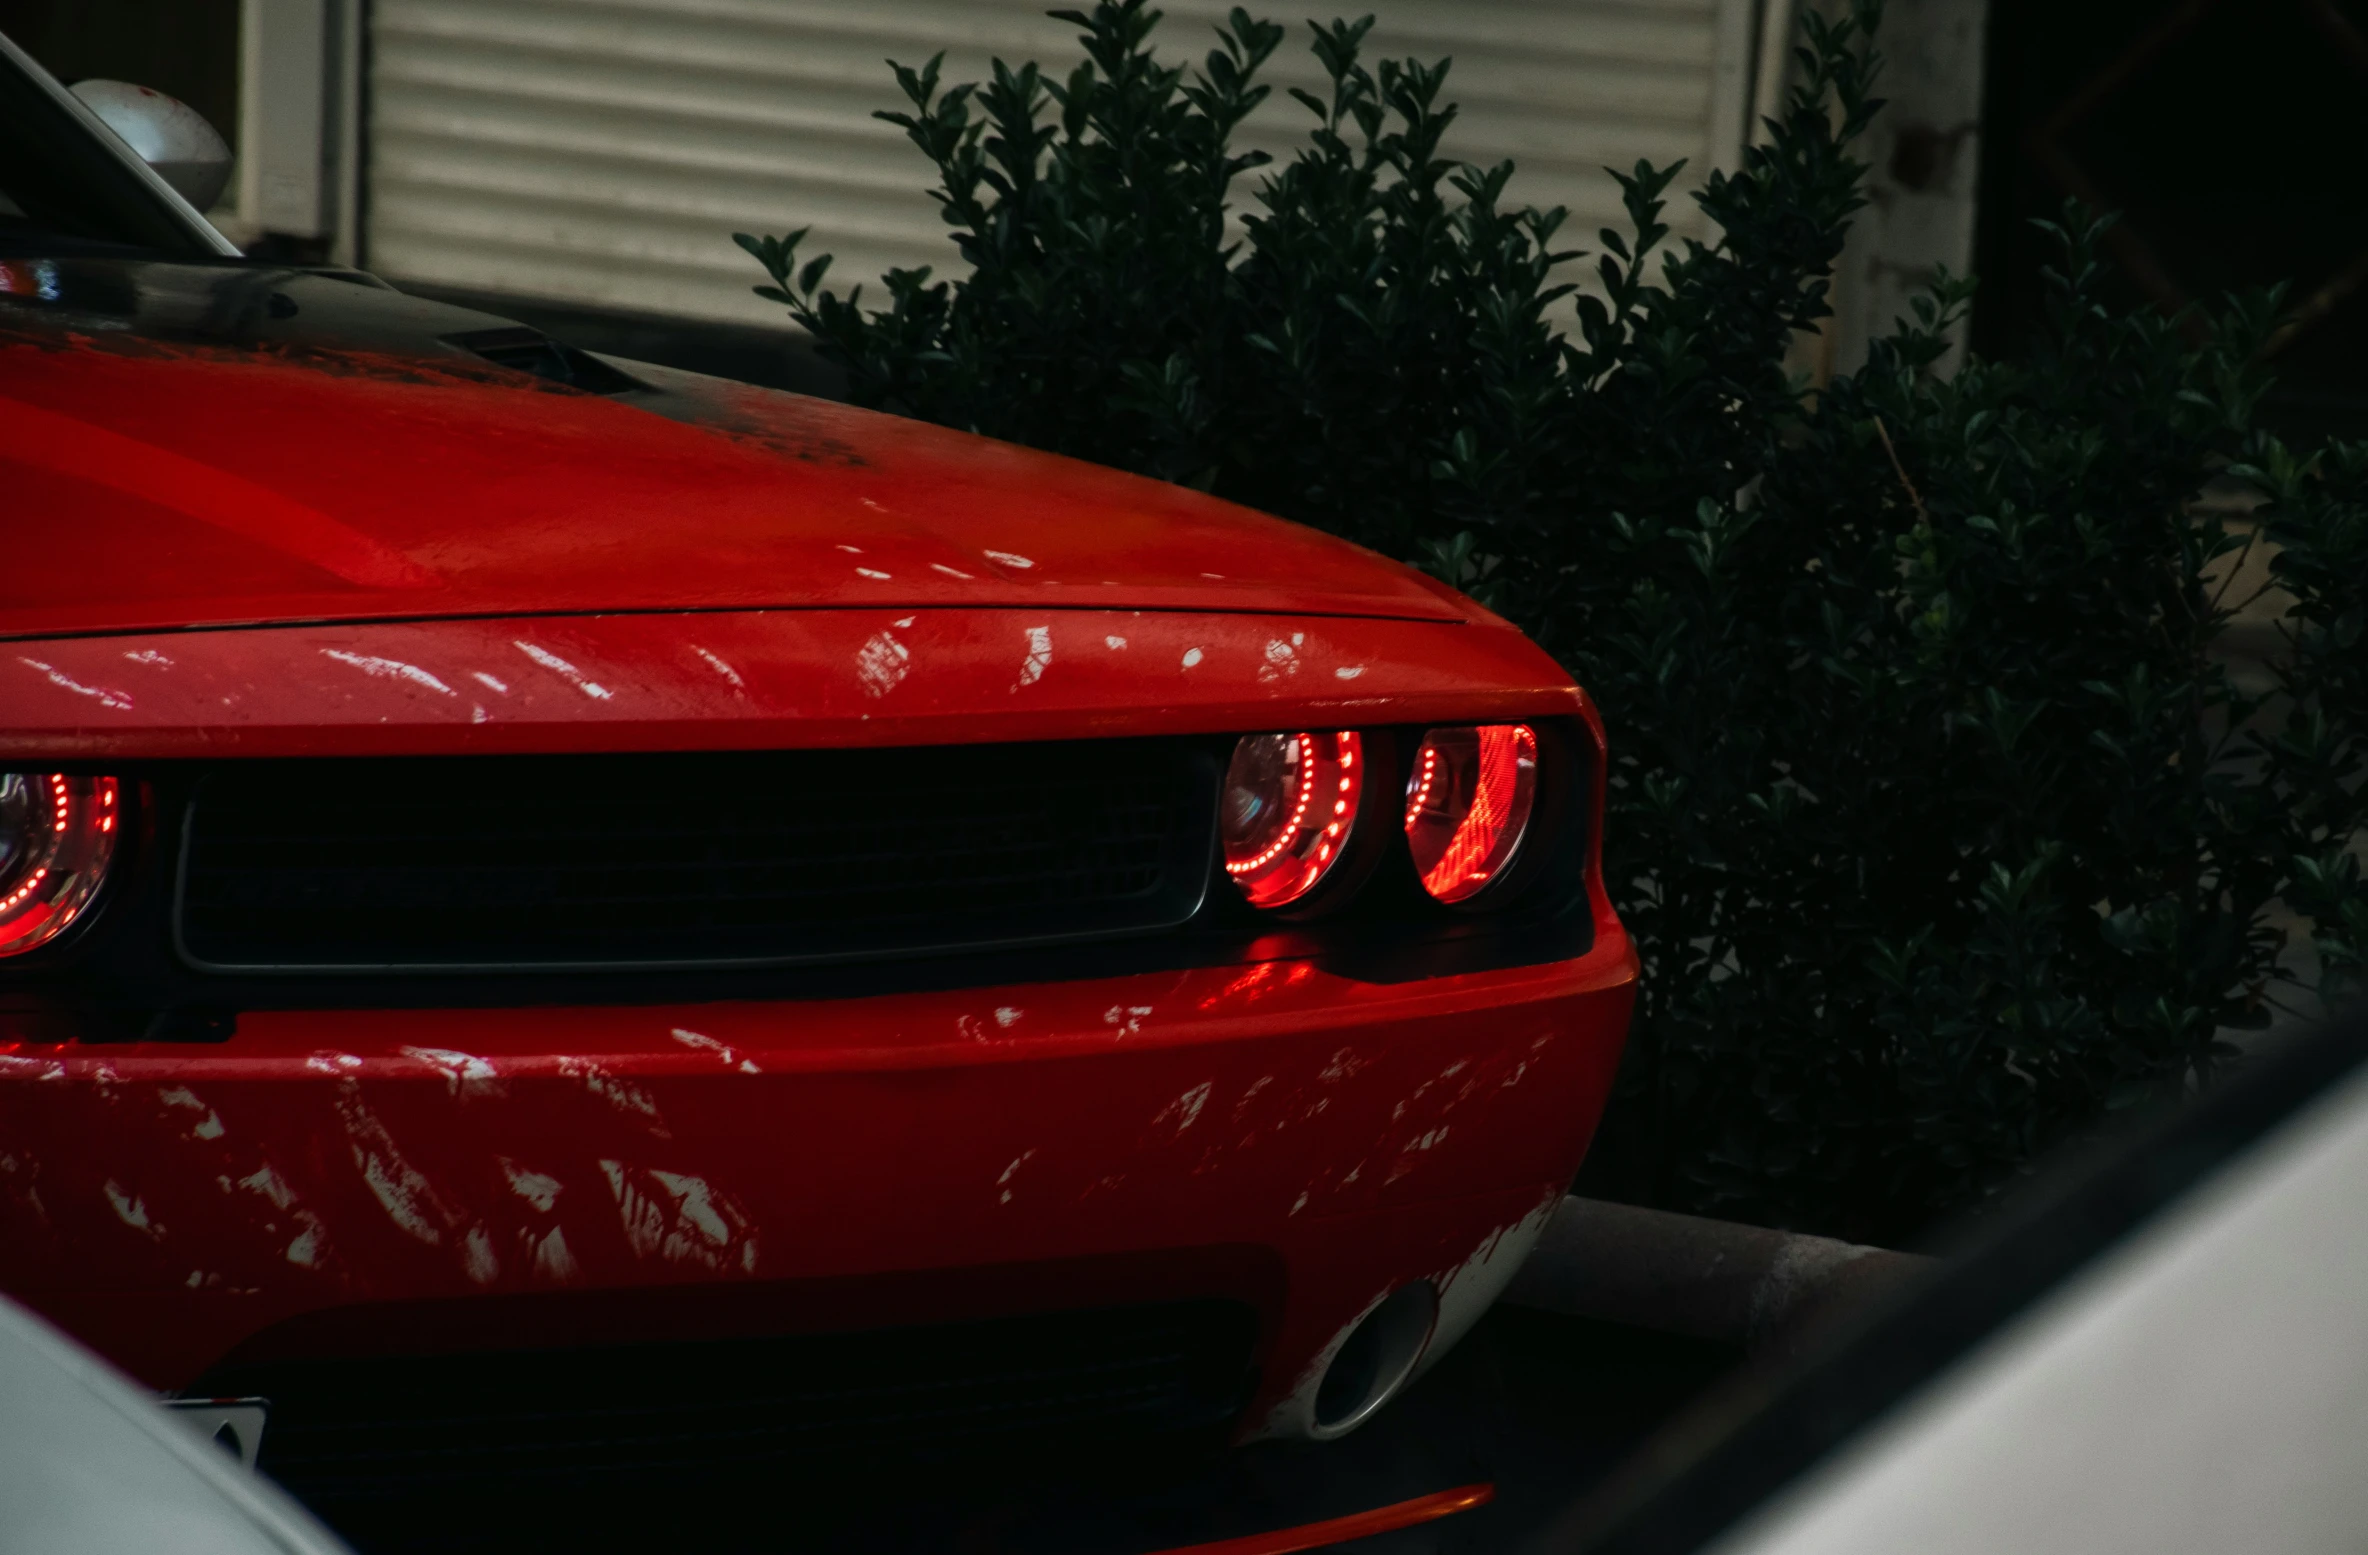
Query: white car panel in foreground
x,y
90,1465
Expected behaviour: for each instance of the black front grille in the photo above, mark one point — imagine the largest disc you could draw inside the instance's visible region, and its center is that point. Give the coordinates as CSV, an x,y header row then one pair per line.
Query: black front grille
x,y
810,1404
686,860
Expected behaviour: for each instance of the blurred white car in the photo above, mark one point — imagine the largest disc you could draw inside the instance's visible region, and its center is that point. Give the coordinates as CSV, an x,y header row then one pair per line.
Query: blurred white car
x,y
2162,1350
91,1465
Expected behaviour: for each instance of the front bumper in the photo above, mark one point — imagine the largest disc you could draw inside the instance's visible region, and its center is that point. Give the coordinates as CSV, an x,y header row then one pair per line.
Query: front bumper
x,y
365,1182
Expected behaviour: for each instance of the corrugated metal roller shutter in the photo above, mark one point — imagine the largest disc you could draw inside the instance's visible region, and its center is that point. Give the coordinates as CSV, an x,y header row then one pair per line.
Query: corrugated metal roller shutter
x,y
603,151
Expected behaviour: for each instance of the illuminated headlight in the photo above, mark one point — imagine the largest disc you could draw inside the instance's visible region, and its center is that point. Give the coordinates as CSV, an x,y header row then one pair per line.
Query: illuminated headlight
x,y
57,835
1289,810
1469,800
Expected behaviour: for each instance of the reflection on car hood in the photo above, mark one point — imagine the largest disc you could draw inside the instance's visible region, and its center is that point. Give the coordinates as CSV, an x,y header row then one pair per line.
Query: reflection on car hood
x,y
190,445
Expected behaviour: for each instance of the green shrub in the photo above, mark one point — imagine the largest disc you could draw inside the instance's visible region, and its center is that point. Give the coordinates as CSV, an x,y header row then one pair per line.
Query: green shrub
x,y
1939,819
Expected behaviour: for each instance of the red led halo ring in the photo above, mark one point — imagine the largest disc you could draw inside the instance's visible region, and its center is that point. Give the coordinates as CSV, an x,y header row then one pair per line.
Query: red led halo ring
x,y
1289,810
57,836
1470,800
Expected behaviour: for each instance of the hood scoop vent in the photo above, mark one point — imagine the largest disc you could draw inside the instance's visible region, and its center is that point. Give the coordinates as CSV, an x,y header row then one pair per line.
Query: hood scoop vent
x,y
530,351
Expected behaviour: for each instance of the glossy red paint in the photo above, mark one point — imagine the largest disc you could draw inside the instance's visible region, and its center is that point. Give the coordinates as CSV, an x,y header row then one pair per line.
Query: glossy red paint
x,y
1410,1513
225,486
168,1203
749,680
328,551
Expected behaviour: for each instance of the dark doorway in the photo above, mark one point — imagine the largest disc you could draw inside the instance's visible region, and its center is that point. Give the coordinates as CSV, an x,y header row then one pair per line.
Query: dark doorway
x,y
2231,135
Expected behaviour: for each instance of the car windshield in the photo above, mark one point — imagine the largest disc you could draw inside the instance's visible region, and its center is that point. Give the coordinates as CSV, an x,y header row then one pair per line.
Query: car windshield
x,y
64,190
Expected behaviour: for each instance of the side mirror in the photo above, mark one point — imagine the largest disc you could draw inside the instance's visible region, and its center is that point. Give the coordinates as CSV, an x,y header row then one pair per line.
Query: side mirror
x,y
166,133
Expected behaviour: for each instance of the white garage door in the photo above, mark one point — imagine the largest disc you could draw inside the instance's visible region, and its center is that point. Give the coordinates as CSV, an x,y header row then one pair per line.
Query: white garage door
x,y
604,151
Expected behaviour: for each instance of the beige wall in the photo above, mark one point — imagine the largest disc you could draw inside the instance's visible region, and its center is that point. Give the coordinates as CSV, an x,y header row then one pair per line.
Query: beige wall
x,y
1925,148
601,152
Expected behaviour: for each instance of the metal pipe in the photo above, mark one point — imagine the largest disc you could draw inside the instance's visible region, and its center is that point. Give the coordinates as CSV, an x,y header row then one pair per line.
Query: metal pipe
x,y
1706,1279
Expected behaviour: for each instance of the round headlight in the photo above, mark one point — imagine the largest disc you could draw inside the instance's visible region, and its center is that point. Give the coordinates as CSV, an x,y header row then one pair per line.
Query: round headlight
x,y
1468,805
1290,804
57,834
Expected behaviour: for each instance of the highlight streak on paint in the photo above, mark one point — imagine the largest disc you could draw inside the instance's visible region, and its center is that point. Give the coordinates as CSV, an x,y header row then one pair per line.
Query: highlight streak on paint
x,y
307,1249
181,1096
559,666
477,1258
678,1217
462,1072
539,1189
401,1189
708,1044
385,669
268,1183
622,1094
119,700
1004,1182
881,663
1039,656
1185,1110
553,1260
720,667
132,1210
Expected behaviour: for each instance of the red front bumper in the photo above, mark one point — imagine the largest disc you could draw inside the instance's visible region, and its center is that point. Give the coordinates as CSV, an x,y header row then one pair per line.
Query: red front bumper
x,y
366,1180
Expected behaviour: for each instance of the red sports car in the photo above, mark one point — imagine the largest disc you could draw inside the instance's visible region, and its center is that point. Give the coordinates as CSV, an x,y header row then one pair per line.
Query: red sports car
x,y
690,919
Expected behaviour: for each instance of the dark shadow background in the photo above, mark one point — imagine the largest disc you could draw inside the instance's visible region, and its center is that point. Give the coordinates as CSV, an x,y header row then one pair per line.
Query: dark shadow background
x,y
2232,135
183,48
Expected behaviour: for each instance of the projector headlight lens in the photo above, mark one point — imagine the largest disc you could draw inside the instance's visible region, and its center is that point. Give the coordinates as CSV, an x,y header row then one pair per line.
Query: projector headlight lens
x,y
1289,809
57,837
1469,801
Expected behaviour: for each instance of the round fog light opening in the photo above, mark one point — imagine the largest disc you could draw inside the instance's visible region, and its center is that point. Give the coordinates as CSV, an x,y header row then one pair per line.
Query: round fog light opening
x,y
1469,801
1367,1371
1289,806
57,836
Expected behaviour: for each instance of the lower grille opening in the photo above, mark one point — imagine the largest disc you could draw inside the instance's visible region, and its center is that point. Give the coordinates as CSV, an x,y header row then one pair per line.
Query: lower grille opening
x,y
691,859
930,1399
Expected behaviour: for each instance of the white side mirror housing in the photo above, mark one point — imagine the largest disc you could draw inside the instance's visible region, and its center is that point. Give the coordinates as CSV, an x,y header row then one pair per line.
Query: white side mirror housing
x,y
166,133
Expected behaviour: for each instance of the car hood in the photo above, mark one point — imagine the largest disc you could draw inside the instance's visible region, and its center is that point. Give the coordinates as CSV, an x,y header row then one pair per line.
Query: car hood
x,y
195,445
